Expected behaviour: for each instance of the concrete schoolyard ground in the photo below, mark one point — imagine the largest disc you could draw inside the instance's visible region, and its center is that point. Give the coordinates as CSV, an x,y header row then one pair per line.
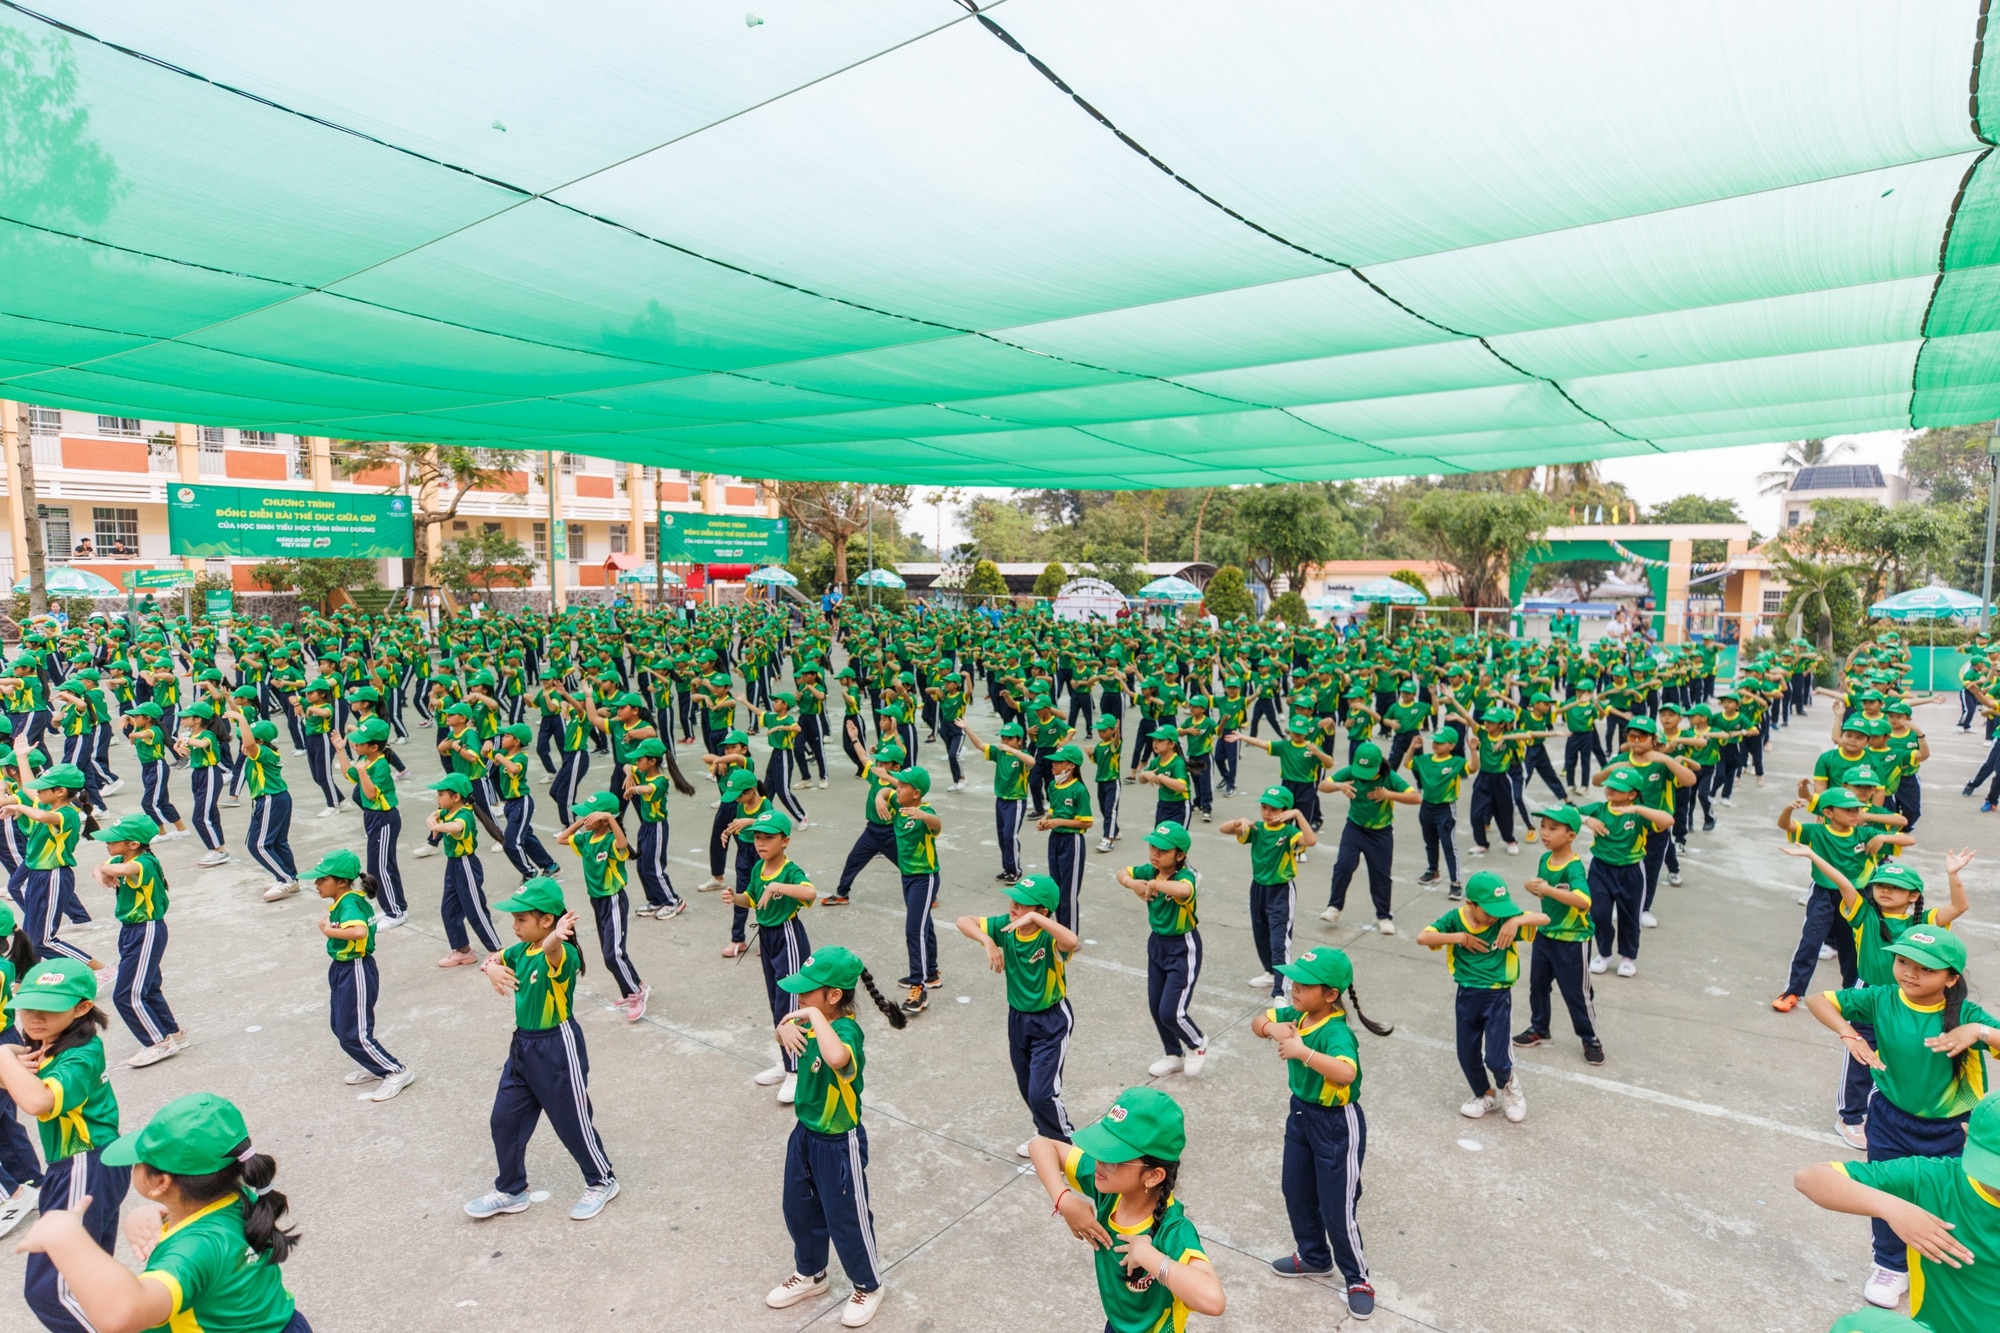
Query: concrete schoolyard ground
x,y
1653,1192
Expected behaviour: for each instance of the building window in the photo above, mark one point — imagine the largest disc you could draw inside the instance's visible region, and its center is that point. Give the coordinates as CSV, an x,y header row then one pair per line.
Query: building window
x,y
45,422
460,525
118,428
493,529
618,546
212,462
569,463
161,456
652,531
541,543
257,439
295,463
116,530
576,541
55,535
1774,601
214,435
1791,518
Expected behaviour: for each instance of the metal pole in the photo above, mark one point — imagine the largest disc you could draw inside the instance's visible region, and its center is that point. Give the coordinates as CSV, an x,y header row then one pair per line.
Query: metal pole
x,y
1992,514
871,545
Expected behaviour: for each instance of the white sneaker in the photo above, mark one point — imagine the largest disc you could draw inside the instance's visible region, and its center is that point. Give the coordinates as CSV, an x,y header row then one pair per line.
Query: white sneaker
x,y
1648,920
1854,1136
1825,952
298,752
1301,858
860,1308
356,1077
1599,964
769,1078
1513,849
17,1206
1674,878
215,857
1479,1106
1195,1062
798,1287
1385,926
1262,981
328,813
278,891
424,851
1104,844
1331,916
390,922
152,1055
788,1091
956,786
1628,967
1022,1151
1885,1287
1165,1065
111,788
1514,1102
822,784
392,1085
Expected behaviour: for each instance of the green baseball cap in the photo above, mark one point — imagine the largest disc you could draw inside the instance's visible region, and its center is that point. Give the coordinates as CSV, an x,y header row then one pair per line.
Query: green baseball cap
x,y
599,803
132,828
1165,732
1367,759
735,736
1623,779
263,730
1838,798
1276,797
520,731
199,710
147,709
1014,730
365,694
829,965
915,776
1066,754
1931,946
372,732
1488,892
1862,775
650,748
889,752
67,776
1034,891
55,984
456,783
1170,836
1645,726
1322,966
1494,716
1982,1141
1143,1122
1298,722
1445,736
541,894
195,1135
738,781
338,865
1108,722
1568,816
1897,876
771,820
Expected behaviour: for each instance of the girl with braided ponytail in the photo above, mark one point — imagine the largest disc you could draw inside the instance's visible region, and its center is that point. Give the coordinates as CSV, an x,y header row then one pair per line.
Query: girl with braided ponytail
x,y
210,1235
826,1161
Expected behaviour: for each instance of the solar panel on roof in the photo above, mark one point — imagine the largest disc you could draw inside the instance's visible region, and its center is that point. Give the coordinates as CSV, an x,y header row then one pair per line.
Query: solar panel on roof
x,y
1838,477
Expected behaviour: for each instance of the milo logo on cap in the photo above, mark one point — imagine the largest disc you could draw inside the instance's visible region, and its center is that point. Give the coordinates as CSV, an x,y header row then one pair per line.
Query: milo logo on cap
x,y
1308,955
1163,828
1115,1115
49,979
1922,937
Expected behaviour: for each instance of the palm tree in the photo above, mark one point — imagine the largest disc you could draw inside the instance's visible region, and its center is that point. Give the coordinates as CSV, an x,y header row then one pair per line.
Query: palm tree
x,y
1798,454
1812,588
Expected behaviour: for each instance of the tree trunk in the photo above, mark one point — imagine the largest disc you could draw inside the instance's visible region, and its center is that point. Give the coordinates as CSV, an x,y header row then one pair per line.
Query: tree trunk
x,y
839,543
1199,515
37,571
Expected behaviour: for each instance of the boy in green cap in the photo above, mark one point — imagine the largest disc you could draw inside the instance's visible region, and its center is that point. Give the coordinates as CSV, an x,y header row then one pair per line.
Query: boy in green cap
x,y
1114,1189
598,839
1066,821
1275,839
1620,828
1031,949
1481,937
1373,791
1438,774
464,900
1834,830
1173,947
1561,946
1010,791
916,827
548,1066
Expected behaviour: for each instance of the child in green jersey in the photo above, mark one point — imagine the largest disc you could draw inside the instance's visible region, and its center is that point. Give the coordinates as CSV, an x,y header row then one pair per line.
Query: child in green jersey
x,y
464,899
1105,757
548,1067
58,1077
1562,945
1437,775
1481,937
1276,839
351,976
19,1167
1066,821
1838,833
149,747
1620,830
1928,1067
1010,791
1114,1189
45,885
777,889
1945,1211
210,1235
1373,790
916,827
141,888
598,839
1031,949
826,1158
1326,1135
1168,886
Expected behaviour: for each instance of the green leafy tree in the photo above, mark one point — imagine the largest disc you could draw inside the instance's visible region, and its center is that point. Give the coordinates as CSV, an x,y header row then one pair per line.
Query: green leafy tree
x,y
1950,462
1698,509
1285,529
1479,536
1050,581
1892,546
1228,595
1822,595
315,581
436,477
987,581
837,512
480,561
1289,607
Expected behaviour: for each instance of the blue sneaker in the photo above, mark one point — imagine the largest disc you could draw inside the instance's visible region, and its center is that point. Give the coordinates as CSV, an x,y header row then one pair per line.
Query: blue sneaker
x,y
1292,1266
593,1201
1986,807
1361,1300
495,1202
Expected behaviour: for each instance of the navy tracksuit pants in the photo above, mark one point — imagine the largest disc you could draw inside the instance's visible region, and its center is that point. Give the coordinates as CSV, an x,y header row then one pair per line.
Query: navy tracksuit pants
x,y
270,835
1857,1081
783,950
352,984
919,930
141,1002
1271,909
1484,1015
525,849
1492,798
464,903
1437,819
64,1185
1038,1044
650,857
614,915
1894,1133
875,840
1324,1148
1560,964
45,897
1616,893
1823,925
826,1199
547,1073
383,828
1173,966
1107,809
1066,869
1008,816
1377,846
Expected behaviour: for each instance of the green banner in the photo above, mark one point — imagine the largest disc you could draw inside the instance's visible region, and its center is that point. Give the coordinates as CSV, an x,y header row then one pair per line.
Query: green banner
x,y
159,578
282,524
723,539
220,605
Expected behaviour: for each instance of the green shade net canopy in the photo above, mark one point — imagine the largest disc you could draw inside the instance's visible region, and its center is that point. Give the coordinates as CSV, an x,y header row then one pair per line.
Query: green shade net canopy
x,y
1105,243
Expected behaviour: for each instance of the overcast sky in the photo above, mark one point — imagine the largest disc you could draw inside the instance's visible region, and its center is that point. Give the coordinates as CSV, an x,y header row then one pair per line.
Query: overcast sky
x,y
1722,473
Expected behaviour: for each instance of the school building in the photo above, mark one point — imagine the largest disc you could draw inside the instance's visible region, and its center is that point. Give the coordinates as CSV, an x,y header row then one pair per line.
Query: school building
x,y
101,489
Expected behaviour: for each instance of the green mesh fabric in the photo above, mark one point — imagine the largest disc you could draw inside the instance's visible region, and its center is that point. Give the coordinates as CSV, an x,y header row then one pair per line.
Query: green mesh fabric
x,y
1107,243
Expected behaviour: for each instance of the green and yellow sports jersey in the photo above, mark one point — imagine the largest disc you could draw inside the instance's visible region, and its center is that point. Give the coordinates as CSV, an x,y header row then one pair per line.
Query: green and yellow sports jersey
x,y
510,784
1659,788
1834,765
1438,779
1172,766
202,750
575,730
1199,735
650,796
1623,842
6,994
1046,736
216,1280
384,779
1944,1298
1876,965
1070,800
1408,717
52,846
473,766
604,861
544,984
1295,762
348,909
1363,810
1168,916
1565,922
1104,760
84,1114
1846,851
1904,749
1919,1080
1326,1035
141,897
775,909
829,1099
264,771
1133,1302
1499,756
881,778
916,845
462,837
1581,717
1495,969
780,740
149,743
1274,851
1035,968
1010,775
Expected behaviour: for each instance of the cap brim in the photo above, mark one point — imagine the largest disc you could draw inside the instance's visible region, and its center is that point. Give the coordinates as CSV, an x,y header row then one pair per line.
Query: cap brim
x,y
1100,1142
1501,909
47,1001
1981,1163
1014,893
798,983
1367,771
